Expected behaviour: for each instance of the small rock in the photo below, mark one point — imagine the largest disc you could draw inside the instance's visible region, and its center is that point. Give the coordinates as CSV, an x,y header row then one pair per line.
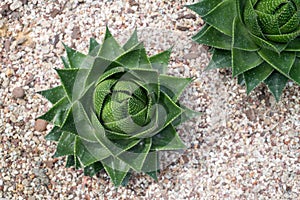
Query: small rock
x,y
15,5
9,72
182,28
76,33
45,50
191,56
55,40
21,40
54,12
24,2
18,92
40,125
131,11
30,78
188,16
7,45
133,3
2,23
250,115
49,163
5,10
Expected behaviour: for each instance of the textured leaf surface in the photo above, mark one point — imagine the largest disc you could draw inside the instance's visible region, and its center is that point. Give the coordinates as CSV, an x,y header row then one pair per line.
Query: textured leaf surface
x,y
167,139
160,61
220,59
283,62
257,75
227,9
212,37
116,169
110,48
66,145
54,94
173,86
58,113
93,169
54,134
244,60
276,82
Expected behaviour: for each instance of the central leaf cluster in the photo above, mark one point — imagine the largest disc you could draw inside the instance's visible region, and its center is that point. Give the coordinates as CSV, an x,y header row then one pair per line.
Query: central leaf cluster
x,y
126,108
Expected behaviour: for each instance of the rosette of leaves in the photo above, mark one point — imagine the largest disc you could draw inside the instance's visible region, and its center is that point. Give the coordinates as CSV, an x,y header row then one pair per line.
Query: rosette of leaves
x,y
258,38
116,109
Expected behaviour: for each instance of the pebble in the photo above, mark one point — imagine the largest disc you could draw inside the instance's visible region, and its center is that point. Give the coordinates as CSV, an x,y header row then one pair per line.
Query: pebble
x,y
9,72
40,125
7,45
191,56
76,32
18,92
21,40
15,5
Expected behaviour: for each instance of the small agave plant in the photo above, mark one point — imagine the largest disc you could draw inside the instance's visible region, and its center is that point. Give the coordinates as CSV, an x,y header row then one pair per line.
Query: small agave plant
x,y
116,109
260,39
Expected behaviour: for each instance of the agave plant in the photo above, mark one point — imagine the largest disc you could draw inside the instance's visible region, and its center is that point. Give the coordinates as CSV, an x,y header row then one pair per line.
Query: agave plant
x,y
258,38
116,109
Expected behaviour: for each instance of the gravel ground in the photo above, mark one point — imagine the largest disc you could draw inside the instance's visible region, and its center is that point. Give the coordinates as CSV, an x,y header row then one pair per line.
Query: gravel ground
x,y
242,147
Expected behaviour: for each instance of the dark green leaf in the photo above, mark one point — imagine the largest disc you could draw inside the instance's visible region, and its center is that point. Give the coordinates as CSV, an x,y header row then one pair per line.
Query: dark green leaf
x,y
295,71
54,134
241,38
83,124
276,82
58,113
53,94
136,156
283,62
151,165
68,78
136,58
212,37
66,145
244,60
133,41
160,61
167,139
69,124
116,169
109,73
226,9
186,115
93,169
220,59
205,6
89,152
110,48
241,79
166,111
255,76
94,47
101,91
115,148
77,59
276,47
294,45
65,62
173,86
70,161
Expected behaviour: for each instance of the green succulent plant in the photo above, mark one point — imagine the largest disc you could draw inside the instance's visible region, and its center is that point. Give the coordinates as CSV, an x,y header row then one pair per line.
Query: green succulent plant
x,y
116,109
259,39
